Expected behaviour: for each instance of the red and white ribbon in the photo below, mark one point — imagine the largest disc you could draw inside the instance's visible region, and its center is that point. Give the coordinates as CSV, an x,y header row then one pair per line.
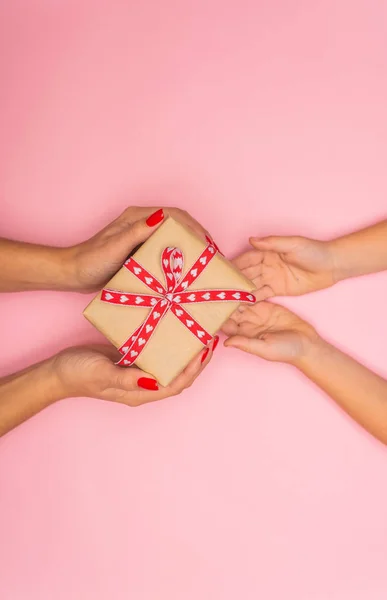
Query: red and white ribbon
x,y
169,297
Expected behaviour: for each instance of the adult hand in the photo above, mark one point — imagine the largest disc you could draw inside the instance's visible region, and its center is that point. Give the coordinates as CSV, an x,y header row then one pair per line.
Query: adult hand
x,y
90,371
95,261
271,332
287,266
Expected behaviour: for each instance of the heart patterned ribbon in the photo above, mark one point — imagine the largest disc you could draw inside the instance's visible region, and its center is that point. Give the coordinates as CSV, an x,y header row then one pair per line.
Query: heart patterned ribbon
x,y
170,297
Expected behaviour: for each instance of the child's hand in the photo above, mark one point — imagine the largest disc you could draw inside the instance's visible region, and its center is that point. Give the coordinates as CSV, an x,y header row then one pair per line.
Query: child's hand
x,y
271,332
287,266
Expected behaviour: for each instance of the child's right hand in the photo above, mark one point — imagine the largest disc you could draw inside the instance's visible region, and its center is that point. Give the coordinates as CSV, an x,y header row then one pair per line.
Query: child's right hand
x,y
287,266
271,332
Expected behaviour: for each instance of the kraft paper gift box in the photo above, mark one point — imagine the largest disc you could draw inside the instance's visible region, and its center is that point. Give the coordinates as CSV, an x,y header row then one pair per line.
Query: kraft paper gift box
x,y
172,333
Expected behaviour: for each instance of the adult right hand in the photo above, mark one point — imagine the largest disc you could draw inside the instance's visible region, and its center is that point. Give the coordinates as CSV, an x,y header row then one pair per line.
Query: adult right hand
x,y
90,371
287,266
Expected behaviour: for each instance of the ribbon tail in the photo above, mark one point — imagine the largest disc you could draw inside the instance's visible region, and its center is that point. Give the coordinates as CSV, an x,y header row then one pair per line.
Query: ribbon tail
x,y
191,324
198,296
136,343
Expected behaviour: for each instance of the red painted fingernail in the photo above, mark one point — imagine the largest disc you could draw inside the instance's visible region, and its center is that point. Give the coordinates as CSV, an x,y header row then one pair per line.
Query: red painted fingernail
x,y
148,384
216,342
155,218
205,354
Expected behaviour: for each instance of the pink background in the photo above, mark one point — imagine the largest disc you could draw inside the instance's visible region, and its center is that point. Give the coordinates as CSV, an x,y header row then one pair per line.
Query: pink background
x,y
258,117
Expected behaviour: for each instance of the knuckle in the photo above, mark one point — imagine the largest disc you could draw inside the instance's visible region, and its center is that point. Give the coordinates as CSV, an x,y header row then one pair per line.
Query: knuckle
x,y
130,213
175,391
178,211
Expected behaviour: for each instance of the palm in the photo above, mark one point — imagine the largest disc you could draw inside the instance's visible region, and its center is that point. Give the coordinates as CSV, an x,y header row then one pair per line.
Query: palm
x,y
301,266
90,371
281,333
100,257
91,368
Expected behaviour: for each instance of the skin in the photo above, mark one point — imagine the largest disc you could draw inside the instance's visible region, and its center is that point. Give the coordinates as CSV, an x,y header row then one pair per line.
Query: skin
x,y
87,266
284,266
89,370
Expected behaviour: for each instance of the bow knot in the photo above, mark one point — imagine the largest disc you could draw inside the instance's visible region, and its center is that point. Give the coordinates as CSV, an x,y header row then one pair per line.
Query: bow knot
x,y
169,298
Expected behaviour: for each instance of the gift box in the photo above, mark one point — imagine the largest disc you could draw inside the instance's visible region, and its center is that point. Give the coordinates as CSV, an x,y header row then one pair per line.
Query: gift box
x,y
168,300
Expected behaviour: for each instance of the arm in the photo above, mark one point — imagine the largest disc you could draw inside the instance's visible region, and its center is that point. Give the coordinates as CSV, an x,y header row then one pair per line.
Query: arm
x,y
274,333
87,266
26,393
356,389
87,372
362,252
34,267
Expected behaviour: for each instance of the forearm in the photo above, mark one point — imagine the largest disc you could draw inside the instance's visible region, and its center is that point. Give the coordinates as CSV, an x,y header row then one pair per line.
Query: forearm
x,y
356,389
362,252
26,393
33,267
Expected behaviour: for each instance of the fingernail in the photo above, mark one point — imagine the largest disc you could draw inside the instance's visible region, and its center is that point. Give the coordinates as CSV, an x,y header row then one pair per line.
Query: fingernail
x,y
148,384
205,354
155,218
216,342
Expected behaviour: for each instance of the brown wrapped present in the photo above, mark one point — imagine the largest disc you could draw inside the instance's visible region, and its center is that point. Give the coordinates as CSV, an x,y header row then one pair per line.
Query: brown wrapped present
x,y
168,300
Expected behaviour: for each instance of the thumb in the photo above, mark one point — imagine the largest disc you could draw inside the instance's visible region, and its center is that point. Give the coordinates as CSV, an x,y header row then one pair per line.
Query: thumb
x,y
250,345
275,243
133,379
142,229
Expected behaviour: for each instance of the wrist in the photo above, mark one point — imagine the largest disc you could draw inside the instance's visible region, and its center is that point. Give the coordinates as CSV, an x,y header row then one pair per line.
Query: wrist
x,y
66,259
346,259
315,348
55,387
27,392
69,373
337,269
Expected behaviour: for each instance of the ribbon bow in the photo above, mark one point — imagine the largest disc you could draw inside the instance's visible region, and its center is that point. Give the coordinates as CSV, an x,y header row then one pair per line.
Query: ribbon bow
x,y
170,297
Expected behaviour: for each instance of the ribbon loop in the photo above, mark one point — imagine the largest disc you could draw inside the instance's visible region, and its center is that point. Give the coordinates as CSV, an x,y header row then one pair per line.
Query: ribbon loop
x,y
172,266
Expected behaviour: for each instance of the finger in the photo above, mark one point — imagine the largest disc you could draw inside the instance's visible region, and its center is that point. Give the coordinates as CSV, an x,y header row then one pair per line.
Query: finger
x,y
133,379
134,213
250,345
264,293
143,228
260,312
255,273
107,350
125,378
230,327
252,258
135,387
193,370
185,218
190,373
275,243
